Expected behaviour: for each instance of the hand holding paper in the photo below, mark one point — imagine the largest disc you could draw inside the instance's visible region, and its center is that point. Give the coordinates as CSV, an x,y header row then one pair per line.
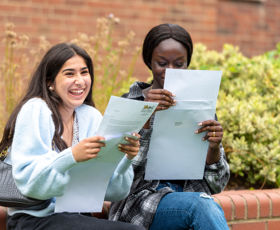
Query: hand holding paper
x,y
87,148
164,98
88,183
176,151
131,148
213,134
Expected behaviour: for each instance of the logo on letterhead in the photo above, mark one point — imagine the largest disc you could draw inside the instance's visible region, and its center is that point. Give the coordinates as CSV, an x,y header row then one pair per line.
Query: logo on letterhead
x,y
148,108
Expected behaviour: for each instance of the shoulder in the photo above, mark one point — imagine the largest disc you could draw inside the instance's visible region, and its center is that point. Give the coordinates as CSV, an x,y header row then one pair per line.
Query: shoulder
x,y
35,107
135,90
88,110
36,104
88,114
34,118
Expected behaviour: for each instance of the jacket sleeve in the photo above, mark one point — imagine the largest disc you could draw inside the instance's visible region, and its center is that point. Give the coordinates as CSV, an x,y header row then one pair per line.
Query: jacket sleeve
x,y
120,182
39,172
217,174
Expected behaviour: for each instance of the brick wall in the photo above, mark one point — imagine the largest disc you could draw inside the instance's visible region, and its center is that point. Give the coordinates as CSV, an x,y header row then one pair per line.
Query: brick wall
x,y
251,24
256,209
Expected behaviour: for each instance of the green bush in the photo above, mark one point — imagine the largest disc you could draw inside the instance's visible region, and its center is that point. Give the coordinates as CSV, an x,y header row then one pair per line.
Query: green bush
x,y
248,109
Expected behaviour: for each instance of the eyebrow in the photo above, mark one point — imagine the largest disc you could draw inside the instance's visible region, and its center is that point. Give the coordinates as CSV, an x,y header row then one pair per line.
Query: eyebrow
x,y
181,57
74,69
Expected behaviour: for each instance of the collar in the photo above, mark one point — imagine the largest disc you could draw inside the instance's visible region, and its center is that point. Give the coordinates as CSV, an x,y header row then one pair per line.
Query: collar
x,y
135,90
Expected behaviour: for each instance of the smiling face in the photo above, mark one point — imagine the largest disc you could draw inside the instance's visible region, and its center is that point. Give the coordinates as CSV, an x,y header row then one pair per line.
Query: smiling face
x,y
72,83
168,54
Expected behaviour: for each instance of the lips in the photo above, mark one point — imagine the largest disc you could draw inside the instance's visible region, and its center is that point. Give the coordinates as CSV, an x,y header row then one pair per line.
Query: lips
x,y
76,92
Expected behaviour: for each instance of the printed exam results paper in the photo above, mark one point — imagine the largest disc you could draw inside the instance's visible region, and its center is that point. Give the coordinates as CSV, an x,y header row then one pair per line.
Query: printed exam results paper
x,y
86,189
176,152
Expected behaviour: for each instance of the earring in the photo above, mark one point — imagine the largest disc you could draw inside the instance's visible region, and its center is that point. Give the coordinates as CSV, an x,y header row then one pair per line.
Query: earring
x,y
50,88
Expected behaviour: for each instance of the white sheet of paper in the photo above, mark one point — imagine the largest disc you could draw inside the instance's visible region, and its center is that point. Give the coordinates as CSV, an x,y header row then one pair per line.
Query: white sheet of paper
x,y
176,152
86,189
190,85
125,116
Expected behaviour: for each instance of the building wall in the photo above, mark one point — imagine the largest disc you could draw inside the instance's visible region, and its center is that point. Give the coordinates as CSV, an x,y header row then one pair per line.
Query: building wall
x,y
253,25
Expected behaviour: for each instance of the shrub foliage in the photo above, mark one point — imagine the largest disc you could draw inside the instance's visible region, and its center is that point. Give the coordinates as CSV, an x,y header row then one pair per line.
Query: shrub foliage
x,y
248,109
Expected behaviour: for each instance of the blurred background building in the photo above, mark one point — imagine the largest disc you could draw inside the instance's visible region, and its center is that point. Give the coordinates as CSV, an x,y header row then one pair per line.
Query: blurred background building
x,y
253,25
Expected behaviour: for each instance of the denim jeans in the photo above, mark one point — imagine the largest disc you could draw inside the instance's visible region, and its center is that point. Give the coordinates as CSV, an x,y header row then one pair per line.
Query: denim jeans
x,y
188,210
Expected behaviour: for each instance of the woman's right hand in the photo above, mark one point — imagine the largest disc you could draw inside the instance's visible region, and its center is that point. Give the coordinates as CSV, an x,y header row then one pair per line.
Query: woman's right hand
x,y
87,148
164,98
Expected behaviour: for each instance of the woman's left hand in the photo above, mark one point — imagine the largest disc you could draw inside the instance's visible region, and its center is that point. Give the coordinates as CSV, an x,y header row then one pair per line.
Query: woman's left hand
x,y
214,135
131,149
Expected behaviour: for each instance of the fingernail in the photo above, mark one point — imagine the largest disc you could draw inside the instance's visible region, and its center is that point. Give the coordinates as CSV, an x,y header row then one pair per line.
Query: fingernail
x,y
200,123
133,134
119,145
126,138
196,131
203,139
173,95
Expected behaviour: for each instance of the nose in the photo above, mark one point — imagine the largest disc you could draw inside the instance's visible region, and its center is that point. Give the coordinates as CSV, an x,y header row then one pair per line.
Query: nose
x,y
79,80
170,66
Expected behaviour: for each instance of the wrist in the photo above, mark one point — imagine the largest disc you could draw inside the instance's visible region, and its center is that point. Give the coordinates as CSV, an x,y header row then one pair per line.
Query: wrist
x,y
213,155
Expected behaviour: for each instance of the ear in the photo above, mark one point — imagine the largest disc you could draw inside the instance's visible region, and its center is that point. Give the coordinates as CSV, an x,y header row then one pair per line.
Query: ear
x,y
51,86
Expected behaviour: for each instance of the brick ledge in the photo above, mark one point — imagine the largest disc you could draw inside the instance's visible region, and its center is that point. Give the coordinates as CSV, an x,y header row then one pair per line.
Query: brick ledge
x,y
247,209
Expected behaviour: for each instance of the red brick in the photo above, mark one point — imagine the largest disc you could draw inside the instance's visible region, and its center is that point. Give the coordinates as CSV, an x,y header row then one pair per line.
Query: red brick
x,y
8,8
253,27
273,225
265,204
249,226
239,206
275,199
226,205
252,205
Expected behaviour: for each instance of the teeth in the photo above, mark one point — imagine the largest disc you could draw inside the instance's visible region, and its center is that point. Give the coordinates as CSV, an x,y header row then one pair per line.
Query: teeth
x,y
77,91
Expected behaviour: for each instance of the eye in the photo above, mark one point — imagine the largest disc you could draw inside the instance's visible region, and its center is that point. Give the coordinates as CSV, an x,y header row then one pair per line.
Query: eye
x,y
179,65
162,64
84,72
69,73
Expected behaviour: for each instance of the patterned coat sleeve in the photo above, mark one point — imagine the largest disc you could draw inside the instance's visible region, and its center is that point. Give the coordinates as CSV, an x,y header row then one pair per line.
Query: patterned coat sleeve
x,y
217,175
139,162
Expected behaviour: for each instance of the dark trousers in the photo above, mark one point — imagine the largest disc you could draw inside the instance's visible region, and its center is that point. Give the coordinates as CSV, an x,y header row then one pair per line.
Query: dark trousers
x,y
65,221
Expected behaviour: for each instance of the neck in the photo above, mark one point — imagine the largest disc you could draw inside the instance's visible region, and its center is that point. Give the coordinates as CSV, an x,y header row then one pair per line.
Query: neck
x,y
66,114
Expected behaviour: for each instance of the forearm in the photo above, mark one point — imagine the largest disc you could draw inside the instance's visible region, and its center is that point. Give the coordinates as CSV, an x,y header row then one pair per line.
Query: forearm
x,y
213,155
120,182
45,176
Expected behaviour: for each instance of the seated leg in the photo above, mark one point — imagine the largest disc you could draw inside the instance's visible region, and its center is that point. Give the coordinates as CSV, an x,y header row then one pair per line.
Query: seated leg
x,y
188,210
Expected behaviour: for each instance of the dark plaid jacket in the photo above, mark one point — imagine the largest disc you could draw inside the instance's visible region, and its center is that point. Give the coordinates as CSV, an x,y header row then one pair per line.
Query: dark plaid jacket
x,y
141,204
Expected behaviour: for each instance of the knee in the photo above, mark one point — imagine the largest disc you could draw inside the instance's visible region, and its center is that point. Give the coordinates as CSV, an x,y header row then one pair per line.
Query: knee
x,y
205,203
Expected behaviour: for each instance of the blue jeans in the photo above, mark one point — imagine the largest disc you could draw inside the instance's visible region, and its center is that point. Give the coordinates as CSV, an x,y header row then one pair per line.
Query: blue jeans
x,y
188,210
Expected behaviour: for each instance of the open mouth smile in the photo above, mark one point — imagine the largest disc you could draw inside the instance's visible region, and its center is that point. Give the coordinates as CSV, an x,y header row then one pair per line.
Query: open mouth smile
x,y
76,92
